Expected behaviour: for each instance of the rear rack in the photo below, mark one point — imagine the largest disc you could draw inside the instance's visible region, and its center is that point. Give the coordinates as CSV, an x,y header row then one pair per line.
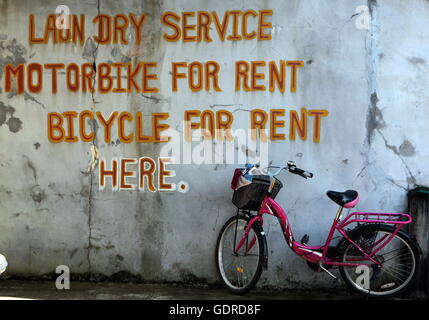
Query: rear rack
x,y
371,217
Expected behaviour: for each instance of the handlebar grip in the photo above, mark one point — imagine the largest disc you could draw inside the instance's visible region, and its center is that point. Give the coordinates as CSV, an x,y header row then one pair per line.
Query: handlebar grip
x,y
307,174
302,173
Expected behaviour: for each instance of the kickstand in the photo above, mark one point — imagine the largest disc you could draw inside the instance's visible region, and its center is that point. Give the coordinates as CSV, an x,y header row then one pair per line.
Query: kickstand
x,y
324,269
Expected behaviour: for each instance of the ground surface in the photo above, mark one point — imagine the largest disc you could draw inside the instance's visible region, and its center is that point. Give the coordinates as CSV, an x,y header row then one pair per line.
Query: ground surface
x,y
19,289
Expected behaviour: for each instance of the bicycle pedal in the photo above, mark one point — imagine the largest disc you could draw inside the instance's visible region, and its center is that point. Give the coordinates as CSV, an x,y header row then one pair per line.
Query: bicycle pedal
x,y
305,239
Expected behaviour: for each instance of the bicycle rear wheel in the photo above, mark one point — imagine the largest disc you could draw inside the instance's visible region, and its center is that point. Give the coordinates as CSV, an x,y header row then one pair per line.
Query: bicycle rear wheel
x,y
239,271
399,263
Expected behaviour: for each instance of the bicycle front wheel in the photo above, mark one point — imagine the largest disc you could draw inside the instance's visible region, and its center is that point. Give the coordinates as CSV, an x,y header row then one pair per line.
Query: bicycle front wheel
x,y
241,270
399,261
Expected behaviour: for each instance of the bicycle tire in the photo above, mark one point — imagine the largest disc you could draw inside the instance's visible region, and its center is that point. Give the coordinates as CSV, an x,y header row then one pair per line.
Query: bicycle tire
x,y
219,267
411,280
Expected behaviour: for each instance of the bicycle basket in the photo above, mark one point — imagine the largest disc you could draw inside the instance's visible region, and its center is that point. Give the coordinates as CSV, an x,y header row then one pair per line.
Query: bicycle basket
x,y
276,188
250,197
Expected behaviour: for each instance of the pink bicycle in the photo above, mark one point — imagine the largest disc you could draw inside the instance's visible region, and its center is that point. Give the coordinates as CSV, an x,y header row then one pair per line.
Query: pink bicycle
x,y
374,256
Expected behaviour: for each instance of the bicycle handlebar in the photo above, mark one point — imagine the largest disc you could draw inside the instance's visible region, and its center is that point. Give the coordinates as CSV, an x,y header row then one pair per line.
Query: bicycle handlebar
x,y
291,167
302,173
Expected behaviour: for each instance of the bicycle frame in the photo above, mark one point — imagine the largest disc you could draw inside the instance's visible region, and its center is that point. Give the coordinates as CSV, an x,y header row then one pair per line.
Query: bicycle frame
x,y
319,254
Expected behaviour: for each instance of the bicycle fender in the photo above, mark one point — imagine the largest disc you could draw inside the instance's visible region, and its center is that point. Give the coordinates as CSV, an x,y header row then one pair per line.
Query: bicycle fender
x,y
260,231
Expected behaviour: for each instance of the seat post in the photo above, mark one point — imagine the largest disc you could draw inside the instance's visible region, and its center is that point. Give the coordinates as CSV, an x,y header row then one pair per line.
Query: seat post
x,y
338,216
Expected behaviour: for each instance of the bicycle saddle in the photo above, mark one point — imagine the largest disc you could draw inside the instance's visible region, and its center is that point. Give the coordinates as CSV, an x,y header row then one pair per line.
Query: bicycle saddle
x,y
346,199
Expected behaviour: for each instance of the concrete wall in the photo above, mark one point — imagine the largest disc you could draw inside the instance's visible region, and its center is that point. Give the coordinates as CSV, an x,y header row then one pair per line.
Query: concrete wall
x,y
372,81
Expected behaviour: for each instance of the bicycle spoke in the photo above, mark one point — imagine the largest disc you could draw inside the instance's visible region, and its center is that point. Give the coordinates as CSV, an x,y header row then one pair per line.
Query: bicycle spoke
x,y
399,265
402,255
396,258
392,251
230,263
238,269
246,270
395,276
383,279
395,269
238,277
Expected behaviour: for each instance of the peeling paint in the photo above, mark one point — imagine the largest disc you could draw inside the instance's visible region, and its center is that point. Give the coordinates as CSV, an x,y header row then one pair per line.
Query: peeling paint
x,y
11,52
30,165
371,5
14,124
38,194
407,149
374,119
118,56
93,162
89,49
416,60
7,112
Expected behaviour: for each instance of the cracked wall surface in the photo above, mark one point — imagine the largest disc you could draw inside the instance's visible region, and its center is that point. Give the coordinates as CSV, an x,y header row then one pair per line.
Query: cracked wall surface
x,y
373,83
